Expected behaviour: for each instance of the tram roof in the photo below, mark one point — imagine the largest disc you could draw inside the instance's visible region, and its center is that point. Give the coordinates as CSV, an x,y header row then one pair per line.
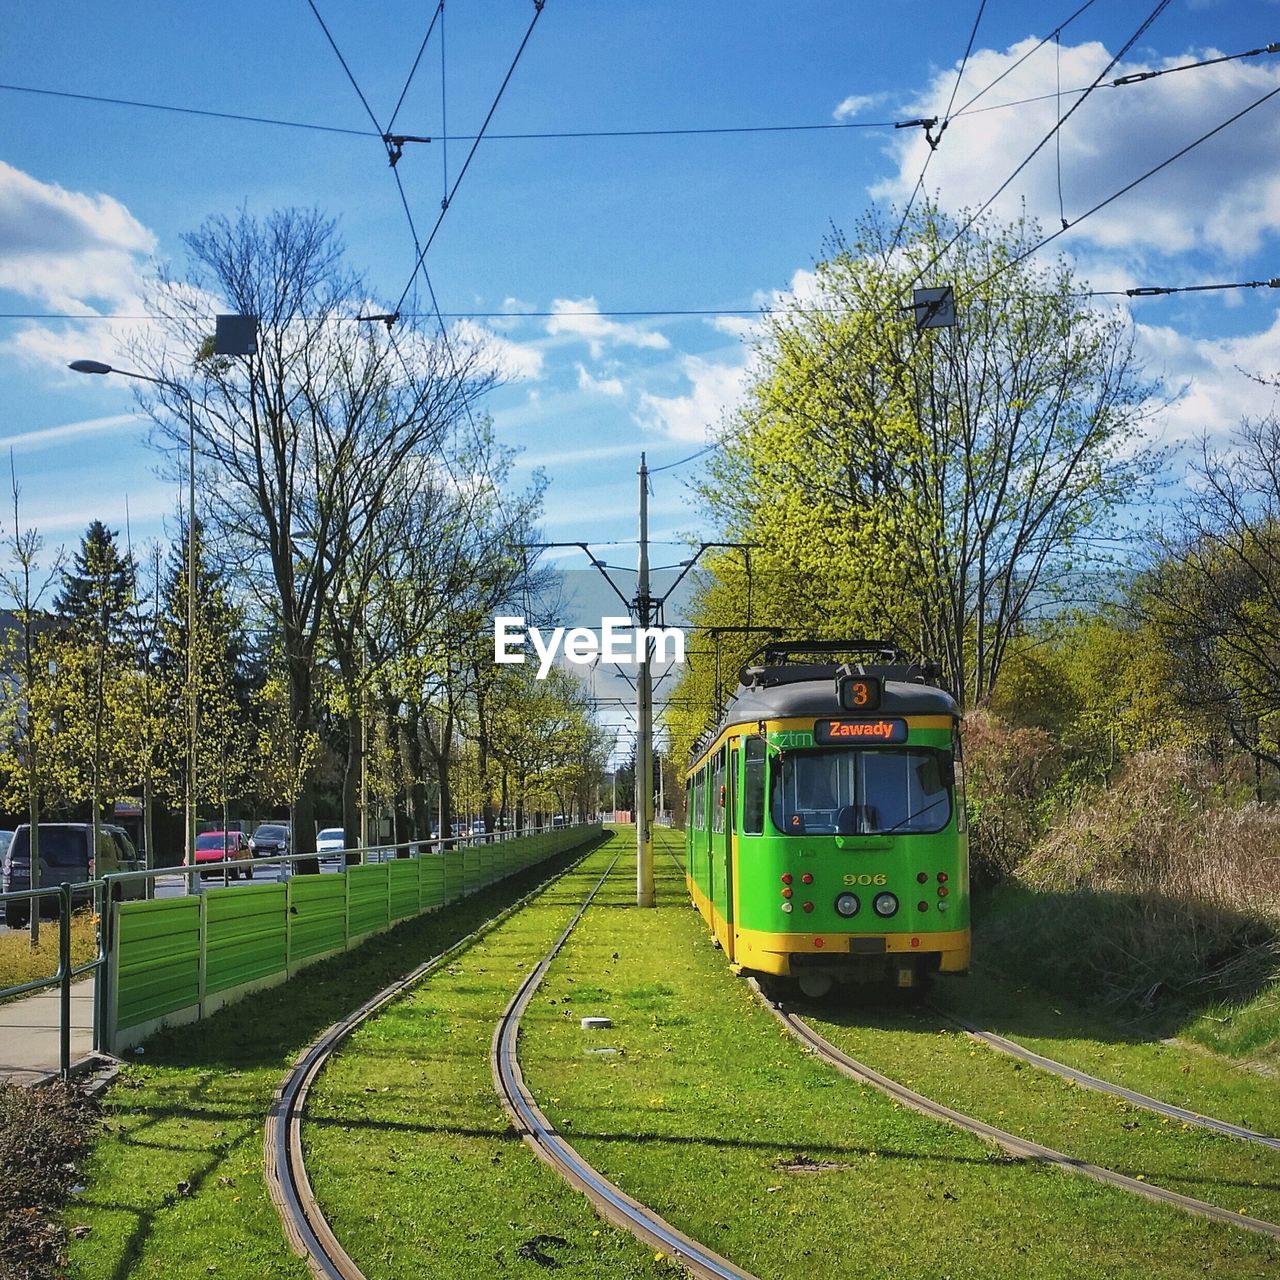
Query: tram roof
x,y
809,689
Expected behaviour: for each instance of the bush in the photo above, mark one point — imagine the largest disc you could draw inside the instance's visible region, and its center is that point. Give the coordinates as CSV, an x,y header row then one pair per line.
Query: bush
x,y
1161,890
1007,774
43,1133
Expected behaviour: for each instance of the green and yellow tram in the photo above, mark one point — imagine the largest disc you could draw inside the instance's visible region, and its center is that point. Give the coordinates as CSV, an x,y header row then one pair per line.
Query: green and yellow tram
x,y
825,829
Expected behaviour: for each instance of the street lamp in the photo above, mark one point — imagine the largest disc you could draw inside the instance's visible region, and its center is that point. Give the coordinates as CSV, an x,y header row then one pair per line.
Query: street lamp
x,y
96,366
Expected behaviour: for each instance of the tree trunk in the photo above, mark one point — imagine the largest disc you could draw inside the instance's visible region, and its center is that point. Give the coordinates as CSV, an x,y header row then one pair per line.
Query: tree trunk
x,y
351,785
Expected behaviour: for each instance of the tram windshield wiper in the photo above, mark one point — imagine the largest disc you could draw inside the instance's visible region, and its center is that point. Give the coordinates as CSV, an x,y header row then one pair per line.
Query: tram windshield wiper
x,y
911,817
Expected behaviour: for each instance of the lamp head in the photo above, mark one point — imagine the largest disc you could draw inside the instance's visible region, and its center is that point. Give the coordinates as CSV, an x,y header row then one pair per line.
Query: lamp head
x,y
89,366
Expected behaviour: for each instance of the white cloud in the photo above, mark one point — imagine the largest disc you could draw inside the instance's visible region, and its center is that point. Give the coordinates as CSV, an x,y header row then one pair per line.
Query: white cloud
x,y
571,457
581,318
716,389
598,386
509,358
112,508
1215,393
853,104
66,249
1225,194
42,436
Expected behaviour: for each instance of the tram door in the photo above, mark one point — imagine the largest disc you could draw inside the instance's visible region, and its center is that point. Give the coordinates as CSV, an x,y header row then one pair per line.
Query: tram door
x,y
721,862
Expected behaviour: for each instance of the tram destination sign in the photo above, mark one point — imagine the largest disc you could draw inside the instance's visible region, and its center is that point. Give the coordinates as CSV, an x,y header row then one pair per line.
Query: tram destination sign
x,y
859,732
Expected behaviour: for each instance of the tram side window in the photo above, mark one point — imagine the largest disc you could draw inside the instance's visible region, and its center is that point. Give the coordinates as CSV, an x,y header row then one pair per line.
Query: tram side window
x,y
718,793
698,807
753,787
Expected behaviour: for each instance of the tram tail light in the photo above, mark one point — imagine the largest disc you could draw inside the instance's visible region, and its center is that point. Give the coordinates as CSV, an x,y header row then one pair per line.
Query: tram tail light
x,y
786,893
806,878
786,877
808,906
943,891
942,878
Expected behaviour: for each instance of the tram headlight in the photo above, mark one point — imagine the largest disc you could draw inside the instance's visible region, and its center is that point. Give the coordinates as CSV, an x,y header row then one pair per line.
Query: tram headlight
x,y
847,904
884,904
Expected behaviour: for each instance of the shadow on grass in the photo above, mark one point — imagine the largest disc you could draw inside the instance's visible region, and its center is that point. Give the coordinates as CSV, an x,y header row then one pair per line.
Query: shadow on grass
x,y
707,1141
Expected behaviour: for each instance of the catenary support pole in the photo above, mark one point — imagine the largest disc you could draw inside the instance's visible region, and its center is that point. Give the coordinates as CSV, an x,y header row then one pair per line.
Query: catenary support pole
x,y
644,709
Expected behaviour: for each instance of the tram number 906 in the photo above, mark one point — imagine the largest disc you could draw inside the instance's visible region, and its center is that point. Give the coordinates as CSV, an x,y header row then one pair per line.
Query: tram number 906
x,y
867,880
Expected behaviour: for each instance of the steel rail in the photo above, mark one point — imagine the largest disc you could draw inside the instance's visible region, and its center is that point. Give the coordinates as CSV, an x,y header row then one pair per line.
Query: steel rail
x,y
1021,1148
305,1226
1082,1078
533,1126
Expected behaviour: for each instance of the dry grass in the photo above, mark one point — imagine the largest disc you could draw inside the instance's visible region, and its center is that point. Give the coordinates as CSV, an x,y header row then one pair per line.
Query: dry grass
x,y
1157,893
1161,828
20,963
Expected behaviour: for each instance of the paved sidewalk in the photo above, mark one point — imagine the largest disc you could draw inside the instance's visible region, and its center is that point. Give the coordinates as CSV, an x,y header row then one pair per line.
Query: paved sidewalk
x,y
29,1032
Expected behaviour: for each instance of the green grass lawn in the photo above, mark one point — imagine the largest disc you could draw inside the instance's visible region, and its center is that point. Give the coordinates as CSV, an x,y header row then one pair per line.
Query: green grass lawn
x,y
174,1185
710,1113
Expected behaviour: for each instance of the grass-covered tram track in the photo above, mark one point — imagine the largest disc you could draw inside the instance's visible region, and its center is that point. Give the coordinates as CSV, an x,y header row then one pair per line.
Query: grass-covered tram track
x,y
174,1184
937,1058
711,1115
1126,1093
417,1169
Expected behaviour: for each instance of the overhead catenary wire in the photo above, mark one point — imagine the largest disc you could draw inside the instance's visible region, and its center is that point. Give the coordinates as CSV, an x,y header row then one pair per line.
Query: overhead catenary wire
x,y
538,6
552,135
422,48
334,46
1134,291
1142,29
1009,70
1149,291
942,128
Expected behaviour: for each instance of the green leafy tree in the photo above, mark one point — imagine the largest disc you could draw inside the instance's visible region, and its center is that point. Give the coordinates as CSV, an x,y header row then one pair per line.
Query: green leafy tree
x,y
1214,593
932,487
27,719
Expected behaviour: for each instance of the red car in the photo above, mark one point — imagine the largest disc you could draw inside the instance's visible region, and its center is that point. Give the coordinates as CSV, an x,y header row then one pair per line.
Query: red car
x,y
228,846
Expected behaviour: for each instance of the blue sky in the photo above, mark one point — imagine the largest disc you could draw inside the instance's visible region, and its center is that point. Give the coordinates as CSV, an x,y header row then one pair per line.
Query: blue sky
x,y
91,194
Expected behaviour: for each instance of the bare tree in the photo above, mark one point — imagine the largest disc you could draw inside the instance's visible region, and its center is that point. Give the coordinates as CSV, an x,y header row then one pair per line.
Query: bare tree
x,y
302,443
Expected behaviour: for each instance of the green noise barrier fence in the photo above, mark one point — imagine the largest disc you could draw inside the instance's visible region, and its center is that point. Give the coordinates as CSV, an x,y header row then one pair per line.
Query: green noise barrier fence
x,y
176,960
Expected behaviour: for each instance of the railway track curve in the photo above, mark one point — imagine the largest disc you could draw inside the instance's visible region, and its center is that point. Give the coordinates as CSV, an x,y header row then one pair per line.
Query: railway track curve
x,y
1008,1142
304,1222
1082,1078
305,1226
610,1201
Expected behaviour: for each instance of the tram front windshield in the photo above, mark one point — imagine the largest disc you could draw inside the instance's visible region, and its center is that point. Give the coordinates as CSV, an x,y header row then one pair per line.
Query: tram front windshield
x,y
859,792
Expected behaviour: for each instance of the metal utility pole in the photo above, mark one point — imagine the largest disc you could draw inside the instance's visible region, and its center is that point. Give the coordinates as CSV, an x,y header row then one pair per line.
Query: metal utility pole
x,y
644,711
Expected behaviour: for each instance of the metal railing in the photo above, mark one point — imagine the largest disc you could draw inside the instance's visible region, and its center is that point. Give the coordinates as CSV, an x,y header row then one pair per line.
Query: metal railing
x,y
66,972
113,888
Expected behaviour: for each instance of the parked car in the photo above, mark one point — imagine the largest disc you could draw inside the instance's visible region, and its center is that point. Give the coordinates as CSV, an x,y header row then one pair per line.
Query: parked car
x,y
270,840
65,856
224,846
331,840
5,837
